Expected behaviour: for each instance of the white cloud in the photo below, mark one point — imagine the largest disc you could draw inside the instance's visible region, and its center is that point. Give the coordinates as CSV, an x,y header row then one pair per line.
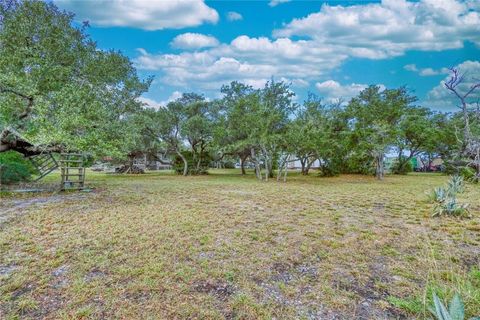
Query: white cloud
x,y
151,103
173,96
234,16
143,14
274,3
390,28
327,39
333,91
424,72
439,97
252,60
410,67
193,41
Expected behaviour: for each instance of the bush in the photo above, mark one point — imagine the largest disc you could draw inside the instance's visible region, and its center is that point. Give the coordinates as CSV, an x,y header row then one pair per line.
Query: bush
x,y
14,167
329,170
192,165
358,163
469,174
404,168
229,165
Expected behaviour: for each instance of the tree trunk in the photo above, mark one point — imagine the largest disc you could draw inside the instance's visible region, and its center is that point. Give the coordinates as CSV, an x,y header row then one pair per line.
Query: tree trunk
x,y
242,164
379,170
267,172
280,168
185,163
257,165
308,166
303,161
286,169
268,164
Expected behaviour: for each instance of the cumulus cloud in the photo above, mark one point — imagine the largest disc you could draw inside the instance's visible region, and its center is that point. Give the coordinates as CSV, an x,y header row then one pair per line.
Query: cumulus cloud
x,y
143,14
234,16
439,97
333,91
193,41
310,48
425,71
252,60
274,3
389,28
151,103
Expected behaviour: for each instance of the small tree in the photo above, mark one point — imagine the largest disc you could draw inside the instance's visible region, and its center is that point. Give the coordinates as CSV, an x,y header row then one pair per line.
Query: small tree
x,y
374,117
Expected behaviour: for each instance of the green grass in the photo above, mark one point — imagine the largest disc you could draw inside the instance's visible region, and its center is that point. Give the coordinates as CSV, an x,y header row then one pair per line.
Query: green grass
x,y
160,246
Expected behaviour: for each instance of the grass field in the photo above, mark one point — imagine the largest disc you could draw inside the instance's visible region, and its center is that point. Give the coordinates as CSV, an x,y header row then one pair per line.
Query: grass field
x,y
159,246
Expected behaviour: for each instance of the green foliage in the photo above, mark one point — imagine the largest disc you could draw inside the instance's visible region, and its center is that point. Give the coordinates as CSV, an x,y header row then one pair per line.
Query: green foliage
x,y
455,311
194,167
469,174
14,168
411,305
401,167
376,116
58,88
229,164
329,169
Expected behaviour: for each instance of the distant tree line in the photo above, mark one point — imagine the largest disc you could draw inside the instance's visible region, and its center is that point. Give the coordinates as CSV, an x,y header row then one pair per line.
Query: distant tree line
x,y
60,92
266,127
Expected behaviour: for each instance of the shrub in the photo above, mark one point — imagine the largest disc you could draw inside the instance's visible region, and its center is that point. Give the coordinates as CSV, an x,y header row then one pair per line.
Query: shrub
x,y
192,165
329,170
229,164
402,168
469,174
14,167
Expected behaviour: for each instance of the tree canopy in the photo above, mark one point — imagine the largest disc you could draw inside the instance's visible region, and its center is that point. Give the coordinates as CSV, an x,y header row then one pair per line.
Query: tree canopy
x,y
57,88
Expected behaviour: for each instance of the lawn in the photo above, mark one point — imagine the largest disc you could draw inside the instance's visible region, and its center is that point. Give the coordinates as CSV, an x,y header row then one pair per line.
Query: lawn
x,y
159,246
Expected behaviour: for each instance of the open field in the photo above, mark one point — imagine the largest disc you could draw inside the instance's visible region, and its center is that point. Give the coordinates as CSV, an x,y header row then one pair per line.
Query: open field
x,y
159,246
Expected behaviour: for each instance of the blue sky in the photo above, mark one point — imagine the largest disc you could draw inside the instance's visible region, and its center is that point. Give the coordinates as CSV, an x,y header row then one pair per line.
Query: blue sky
x,y
333,49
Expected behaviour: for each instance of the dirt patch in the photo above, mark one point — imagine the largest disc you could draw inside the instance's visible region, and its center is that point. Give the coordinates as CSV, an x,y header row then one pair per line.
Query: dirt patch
x,y
220,290
7,270
369,293
94,274
60,279
12,208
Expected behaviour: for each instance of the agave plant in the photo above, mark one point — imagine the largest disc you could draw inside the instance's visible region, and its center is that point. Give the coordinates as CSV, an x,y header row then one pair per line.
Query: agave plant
x,y
445,198
455,311
450,206
439,194
456,184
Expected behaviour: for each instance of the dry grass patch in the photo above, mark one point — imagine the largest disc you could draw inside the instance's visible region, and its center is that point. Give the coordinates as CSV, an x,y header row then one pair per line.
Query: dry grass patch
x,y
226,246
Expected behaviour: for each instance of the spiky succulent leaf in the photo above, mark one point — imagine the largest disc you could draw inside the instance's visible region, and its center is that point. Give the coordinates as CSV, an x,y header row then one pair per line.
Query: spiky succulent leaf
x,y
441,313
456,308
